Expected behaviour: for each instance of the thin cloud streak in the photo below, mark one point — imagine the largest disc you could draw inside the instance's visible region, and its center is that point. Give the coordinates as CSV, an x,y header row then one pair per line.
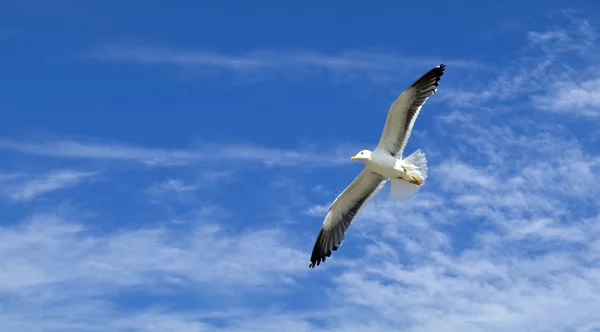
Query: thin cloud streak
x,y
205,153
376,65
43,184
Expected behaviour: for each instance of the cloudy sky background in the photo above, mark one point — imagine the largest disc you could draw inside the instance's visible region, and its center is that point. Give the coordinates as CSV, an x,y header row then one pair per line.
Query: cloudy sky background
x,y
167,168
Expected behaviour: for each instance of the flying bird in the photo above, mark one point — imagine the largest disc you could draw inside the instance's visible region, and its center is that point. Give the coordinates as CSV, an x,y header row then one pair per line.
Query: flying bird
x,y
382,164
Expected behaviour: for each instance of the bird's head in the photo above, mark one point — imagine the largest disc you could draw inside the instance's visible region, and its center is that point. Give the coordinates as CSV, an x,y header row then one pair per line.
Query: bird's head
x,y
364,155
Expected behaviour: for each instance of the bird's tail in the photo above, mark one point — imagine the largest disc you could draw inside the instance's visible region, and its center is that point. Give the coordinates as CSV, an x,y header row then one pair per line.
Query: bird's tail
x,y
417,164
401,189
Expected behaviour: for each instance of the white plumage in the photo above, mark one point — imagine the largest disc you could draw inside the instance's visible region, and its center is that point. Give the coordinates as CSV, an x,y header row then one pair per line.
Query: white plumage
x,y
382,164
415,164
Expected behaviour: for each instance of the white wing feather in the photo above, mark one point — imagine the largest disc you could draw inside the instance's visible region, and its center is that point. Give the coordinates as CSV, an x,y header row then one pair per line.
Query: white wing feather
x,y
342,211
404,111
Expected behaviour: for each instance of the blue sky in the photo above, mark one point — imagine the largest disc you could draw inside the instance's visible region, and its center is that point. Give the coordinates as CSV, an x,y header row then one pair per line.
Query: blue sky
x,y
167,168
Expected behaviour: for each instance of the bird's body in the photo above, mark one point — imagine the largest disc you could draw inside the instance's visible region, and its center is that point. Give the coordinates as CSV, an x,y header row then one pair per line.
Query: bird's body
x,y
385,163
388,166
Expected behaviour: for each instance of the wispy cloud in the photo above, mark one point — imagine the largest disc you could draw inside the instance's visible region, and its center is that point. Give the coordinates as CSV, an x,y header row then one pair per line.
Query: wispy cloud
x,y
373,65
73,271
171,185
68,252
75,149
205,153
572,97
543,76
171,189
27,188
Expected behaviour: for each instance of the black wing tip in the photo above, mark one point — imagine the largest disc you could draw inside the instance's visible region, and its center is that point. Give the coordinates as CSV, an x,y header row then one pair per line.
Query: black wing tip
x,y
320,256
439,69
319,253
437,72
316,261
430,78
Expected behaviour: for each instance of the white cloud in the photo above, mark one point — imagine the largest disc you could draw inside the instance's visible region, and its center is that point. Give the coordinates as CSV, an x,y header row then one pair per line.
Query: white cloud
x,y
175,185
377,66
317,210
60,275
207,253
170,188
9,176
203,153
35,186
572,97
545,74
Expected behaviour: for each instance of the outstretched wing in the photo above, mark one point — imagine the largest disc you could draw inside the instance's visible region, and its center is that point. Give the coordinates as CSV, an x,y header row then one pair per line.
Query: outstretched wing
x,y
341,213
404,111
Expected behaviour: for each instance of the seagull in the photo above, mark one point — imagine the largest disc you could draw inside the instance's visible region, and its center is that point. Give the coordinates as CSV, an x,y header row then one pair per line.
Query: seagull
x,y
384,163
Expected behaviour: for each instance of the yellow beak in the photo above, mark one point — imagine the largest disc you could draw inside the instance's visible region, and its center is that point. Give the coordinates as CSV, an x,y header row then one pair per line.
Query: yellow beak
x,y
353,158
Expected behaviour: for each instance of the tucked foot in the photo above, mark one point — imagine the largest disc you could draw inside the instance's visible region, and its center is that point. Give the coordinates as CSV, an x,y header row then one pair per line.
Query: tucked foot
x,y
415,180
